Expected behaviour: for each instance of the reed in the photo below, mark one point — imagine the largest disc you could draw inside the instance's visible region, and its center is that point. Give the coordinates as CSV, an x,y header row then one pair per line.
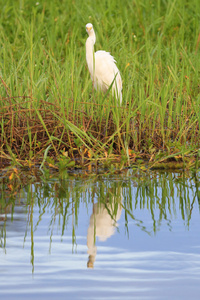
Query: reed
x,y
47,96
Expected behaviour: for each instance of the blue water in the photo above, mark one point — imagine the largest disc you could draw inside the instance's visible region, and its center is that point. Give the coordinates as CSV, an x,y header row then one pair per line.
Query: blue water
x,y
85,248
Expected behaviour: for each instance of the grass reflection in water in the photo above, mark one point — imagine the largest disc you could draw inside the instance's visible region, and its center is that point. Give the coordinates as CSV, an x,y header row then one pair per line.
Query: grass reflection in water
x,y
107,198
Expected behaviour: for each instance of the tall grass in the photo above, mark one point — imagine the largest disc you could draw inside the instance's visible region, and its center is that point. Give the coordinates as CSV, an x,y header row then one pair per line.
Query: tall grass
x,y
47,96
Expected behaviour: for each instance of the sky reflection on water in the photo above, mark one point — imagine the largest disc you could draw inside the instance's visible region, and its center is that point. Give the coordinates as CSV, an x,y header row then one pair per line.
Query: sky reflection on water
x,y
132,237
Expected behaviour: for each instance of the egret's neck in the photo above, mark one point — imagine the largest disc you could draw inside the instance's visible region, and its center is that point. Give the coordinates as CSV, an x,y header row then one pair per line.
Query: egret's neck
x,y
90,53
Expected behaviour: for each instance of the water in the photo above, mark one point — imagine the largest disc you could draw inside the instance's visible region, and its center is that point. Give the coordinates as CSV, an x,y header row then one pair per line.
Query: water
x,y
126,236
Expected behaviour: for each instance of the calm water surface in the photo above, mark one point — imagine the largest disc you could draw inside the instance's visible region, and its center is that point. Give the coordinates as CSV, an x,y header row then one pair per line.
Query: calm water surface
x,y
127,236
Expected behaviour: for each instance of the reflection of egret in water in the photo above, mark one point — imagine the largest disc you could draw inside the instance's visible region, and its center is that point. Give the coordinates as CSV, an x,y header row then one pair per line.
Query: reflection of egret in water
x,y
103,222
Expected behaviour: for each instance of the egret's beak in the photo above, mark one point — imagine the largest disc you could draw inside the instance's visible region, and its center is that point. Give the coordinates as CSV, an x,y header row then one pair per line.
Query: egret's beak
x,y
88,28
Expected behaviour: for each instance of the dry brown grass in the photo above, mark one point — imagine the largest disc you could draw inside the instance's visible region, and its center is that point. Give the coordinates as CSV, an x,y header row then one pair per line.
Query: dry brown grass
x,y
26,133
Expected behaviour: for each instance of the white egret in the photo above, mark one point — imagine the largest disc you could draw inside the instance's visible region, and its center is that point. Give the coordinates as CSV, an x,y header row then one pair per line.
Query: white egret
x,y
104,72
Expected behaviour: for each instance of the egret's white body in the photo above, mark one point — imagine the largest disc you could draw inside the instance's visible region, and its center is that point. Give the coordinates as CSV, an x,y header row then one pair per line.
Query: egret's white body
x,y
102,67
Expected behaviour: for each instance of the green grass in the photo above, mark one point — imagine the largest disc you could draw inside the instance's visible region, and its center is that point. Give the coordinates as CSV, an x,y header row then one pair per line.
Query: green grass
x,y
47,96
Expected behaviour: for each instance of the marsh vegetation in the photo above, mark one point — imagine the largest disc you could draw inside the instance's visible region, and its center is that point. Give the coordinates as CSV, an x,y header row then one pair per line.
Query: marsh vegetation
x,y
49,110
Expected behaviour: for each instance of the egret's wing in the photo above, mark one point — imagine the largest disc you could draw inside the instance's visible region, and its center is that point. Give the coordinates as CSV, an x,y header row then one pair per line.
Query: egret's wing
x,y
105,69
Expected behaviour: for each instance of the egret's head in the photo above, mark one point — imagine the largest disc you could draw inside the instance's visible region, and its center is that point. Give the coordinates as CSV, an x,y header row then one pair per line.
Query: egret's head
x,y
89,28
